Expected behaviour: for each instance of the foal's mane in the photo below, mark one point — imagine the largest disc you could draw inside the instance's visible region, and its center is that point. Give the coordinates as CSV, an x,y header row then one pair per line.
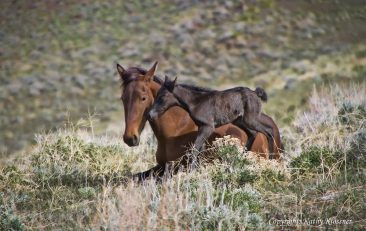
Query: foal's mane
x,y
130,75
196,88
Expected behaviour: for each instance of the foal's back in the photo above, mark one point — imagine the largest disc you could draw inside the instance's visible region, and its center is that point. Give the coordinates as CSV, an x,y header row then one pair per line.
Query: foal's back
x,y
230,104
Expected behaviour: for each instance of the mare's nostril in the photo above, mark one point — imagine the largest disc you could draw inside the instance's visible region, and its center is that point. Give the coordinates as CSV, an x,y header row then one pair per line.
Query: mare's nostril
x,y
135,140
131,140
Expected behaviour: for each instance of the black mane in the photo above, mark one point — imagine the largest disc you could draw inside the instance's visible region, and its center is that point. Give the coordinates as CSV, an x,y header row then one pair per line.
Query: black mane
x,y
196,88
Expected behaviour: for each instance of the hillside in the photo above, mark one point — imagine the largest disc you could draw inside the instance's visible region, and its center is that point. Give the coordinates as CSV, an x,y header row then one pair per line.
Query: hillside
x,y
58,58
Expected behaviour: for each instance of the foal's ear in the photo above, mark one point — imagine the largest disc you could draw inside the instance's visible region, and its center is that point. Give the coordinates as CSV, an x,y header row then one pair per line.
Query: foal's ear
x,y
170,84
150,73
121,71
174,81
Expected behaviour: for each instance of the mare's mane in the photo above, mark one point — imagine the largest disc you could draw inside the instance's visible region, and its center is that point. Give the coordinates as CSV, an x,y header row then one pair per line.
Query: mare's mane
x,y
130,75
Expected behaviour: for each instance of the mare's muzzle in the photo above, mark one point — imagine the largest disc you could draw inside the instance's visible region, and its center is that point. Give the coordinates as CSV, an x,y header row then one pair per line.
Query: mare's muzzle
x,y
131,140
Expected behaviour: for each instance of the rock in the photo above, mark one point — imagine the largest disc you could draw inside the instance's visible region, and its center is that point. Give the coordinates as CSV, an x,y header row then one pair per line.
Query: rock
x,y
134,18
97,74
317,78
177,29
199,21
76,91
240,26
301,66
220,14
256,29
269,19
28,80
318,31
329,196
248,54
228,4
36,88
35,54
189,26
14,88
80,80
3,95
129,52
226,36
254,46
269,54
240,43
41,48
186,41
157,38
208,33
290,83
147,58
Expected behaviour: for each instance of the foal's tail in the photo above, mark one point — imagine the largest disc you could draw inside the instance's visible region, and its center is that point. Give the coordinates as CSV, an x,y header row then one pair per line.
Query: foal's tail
x,y
261,94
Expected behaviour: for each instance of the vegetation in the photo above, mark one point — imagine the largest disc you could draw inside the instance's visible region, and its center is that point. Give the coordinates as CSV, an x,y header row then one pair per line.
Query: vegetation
x,y
73,180
57,64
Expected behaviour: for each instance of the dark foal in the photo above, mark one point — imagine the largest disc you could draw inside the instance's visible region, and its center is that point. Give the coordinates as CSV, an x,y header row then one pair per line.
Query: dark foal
x,y
209,109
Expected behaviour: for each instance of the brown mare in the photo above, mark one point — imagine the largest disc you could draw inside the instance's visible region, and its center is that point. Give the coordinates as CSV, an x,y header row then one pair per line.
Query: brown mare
x,y
175,131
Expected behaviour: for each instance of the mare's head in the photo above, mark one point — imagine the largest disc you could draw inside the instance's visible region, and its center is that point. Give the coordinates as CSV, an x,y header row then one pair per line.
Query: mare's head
x,y
137,98
165,99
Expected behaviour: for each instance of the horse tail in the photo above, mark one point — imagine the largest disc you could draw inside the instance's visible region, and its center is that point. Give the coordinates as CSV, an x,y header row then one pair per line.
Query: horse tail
x,y
261,94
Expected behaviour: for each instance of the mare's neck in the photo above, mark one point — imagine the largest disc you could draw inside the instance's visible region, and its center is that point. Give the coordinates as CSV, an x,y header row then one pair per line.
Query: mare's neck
x,y
156,125
154,87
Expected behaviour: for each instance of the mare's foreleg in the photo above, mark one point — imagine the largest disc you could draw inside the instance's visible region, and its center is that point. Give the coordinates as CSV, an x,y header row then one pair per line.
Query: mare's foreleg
x,y
155,172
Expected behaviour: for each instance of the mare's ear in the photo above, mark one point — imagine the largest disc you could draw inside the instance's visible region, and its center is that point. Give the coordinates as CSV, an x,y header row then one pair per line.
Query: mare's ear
x,y
120,70
150,73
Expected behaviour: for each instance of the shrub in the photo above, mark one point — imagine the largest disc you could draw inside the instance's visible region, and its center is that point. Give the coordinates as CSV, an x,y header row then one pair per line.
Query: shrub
x,y
316,160
8,219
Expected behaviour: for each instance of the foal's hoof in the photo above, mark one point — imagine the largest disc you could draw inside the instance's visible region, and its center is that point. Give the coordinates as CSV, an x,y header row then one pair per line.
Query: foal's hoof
x,y
138,178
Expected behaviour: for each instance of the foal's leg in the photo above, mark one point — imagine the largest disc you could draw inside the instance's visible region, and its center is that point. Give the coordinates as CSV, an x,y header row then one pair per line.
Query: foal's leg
x,y
204,132
251,137
250,133
200,143
254,123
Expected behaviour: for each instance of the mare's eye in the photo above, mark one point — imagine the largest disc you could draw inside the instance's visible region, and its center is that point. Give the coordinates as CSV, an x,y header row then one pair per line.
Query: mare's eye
x,y
143,98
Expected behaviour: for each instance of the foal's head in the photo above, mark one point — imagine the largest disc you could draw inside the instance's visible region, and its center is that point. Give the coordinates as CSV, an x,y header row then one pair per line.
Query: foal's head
x,y
165,99
137,98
